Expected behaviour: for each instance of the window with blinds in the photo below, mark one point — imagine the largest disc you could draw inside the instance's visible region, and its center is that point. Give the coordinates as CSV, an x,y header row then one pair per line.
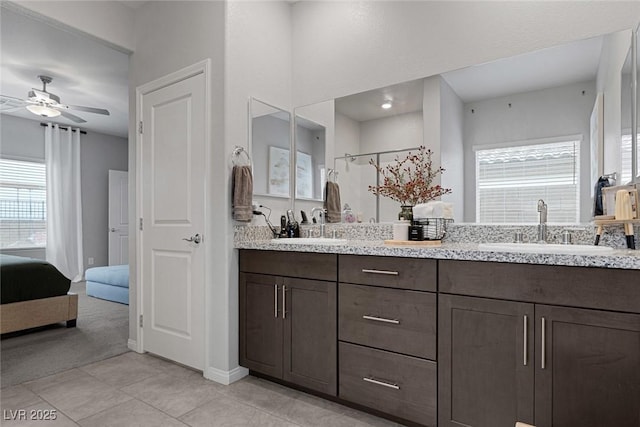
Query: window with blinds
x,y
510,180
625,157
23,219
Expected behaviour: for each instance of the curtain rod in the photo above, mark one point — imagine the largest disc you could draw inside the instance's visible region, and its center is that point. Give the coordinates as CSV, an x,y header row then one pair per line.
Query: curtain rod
x,y
64,128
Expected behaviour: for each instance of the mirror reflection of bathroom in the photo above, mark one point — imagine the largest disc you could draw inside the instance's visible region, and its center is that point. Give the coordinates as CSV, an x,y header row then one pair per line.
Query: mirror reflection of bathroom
x,y
270,149
310,159
626,174
548,97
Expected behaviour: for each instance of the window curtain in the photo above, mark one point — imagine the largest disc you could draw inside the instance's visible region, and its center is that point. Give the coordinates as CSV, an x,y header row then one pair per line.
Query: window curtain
x,y
64,202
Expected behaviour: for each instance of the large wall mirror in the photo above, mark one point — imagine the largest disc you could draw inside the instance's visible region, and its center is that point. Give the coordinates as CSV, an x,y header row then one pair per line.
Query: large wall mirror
x,y
507,132
270,150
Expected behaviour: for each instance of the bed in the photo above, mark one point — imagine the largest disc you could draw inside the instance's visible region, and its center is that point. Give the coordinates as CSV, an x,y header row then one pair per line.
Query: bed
x,y
33,293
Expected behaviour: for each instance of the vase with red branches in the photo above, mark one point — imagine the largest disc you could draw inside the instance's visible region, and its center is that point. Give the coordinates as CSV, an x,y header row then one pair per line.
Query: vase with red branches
x,y
409,181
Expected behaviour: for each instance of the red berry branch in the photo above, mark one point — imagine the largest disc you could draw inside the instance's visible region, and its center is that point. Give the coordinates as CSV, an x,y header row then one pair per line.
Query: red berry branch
x,y
409,180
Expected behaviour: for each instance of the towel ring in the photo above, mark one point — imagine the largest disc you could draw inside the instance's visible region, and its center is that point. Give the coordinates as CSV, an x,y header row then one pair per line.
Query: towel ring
x,y
238,151
334,173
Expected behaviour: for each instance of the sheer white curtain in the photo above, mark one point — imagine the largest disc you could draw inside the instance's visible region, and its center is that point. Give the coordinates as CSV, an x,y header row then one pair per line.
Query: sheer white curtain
x,y
64,202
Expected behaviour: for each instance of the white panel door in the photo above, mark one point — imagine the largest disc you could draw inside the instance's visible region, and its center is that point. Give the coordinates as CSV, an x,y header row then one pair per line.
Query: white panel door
x,y
118,217
173,178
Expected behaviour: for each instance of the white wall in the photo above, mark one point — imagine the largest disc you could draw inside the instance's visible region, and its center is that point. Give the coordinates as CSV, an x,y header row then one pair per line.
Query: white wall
x,y
108,21
257,63
22,138
553,112
170,35
341,48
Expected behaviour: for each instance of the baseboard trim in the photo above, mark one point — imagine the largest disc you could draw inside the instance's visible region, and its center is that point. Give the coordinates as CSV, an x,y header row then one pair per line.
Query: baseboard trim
x,y
133,345
225,377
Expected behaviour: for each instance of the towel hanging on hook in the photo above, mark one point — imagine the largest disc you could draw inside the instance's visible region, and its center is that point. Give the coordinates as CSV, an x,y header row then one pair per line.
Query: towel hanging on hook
x,y
236,158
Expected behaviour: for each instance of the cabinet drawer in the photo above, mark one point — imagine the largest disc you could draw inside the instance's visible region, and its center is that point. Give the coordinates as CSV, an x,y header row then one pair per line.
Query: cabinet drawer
x,y
402,386
392,272
586,287
292,264
391,319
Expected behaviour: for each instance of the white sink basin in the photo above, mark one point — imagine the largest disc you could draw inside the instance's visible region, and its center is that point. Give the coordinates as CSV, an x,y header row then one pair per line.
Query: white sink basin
x,y
309,241
549,248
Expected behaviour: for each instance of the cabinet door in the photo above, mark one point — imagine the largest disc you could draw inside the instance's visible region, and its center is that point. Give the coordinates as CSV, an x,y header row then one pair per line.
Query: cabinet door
x,y
485,362
591,371
260,323
310,334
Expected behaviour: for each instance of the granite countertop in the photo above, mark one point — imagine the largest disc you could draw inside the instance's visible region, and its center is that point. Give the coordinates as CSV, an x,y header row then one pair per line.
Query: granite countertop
x,y
619,258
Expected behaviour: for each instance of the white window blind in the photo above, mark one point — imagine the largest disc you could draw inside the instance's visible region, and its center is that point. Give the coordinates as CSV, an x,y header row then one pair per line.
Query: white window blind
x,y
625,156
22,204
510,180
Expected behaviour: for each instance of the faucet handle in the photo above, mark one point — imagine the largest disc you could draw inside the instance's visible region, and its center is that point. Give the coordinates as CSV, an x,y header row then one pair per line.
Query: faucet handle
x,y
566,237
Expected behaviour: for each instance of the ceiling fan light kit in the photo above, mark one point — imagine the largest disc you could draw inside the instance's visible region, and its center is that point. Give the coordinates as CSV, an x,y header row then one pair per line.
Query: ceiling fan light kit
x,y
43,110
47,104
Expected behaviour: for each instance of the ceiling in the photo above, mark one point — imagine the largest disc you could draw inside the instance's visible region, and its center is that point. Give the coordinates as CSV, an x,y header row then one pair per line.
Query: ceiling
x,y
85,72
552,67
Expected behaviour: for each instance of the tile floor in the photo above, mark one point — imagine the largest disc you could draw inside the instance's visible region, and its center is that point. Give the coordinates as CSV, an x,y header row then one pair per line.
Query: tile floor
x,y
142,390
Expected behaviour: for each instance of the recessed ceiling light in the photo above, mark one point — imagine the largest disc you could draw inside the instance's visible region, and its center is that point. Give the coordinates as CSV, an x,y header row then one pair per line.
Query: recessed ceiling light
x,y
43,110
386,105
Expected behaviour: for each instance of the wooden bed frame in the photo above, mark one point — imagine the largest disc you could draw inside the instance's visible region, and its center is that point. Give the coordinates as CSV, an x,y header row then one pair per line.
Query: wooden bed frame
x,y
39,312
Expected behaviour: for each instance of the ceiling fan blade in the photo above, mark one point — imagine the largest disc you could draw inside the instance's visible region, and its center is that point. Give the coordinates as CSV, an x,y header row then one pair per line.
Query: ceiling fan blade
x,y
11,101
72,117
89,109
9,109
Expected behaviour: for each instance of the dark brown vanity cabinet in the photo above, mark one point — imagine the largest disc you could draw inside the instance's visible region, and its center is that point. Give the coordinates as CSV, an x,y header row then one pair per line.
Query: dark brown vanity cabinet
x,y
387,322
533,361
288,324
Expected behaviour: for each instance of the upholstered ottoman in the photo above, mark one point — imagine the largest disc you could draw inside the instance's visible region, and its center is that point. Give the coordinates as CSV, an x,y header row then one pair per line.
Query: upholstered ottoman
x,y
110,283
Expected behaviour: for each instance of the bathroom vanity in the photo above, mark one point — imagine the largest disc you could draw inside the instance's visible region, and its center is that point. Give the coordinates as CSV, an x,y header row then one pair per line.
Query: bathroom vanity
x,y
449,336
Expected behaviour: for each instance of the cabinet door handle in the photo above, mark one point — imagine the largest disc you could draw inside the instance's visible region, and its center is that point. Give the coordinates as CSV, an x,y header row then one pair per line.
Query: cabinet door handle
x,y
275,300
389,273
382,383
525,320
381,319
543,361
284,302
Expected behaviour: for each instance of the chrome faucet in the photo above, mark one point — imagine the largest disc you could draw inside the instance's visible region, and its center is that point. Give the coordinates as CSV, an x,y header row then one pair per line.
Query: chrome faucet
x,y
322,215
542,226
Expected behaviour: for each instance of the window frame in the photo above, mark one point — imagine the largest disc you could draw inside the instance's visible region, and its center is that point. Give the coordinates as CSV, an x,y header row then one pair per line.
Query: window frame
x,y
28,159
577,138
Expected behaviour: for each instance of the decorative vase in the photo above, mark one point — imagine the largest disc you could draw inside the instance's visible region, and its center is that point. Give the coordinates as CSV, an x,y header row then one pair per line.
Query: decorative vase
x,y
406,212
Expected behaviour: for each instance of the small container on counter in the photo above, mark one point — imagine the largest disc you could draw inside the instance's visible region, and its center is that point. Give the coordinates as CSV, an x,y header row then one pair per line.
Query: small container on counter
x,y
401,230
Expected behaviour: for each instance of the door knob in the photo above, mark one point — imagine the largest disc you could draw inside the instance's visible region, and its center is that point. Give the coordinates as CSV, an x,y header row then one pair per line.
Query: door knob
x,y
195,239
113,230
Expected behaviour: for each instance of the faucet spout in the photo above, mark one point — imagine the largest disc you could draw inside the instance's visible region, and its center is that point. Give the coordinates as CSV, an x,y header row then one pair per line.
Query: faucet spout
x,y
322,219
542,226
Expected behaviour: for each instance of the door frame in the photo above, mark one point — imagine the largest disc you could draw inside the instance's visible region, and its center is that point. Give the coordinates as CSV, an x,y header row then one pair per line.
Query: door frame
x,y
204,68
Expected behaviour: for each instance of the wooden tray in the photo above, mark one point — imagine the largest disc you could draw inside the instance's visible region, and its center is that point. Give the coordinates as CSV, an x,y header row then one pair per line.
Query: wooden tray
x,y
413,242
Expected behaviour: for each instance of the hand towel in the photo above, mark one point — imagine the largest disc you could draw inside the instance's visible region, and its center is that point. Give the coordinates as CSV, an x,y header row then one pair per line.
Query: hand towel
x,y
433,209
332,202
242,190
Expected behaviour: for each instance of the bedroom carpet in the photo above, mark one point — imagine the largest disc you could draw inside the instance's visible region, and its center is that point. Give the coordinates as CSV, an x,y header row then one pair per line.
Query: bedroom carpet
x,y
102,332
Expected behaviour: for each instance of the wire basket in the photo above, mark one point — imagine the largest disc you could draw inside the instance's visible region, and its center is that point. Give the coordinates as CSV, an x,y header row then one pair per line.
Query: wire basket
x,y
433,228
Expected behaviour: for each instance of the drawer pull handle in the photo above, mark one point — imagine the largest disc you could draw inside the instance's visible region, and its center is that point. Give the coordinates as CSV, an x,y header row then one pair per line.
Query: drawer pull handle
x,y
525,339
543,350
388,273
381,319
382,383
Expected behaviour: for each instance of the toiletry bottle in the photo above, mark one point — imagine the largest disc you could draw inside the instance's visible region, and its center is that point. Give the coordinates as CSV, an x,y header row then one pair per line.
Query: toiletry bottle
x,y
347,214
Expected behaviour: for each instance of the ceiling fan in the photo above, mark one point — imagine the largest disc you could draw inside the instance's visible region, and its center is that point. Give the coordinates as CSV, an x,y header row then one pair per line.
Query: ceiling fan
x,y
46,104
